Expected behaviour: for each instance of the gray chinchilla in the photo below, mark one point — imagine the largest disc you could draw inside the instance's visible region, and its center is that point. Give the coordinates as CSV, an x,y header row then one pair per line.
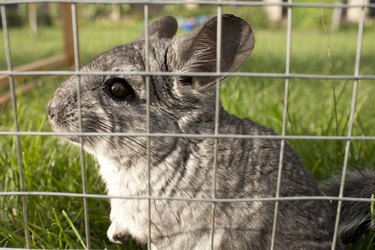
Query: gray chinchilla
x,y
183,167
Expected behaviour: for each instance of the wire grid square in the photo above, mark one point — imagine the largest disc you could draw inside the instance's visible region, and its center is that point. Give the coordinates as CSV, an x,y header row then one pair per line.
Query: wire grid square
x,y
348,138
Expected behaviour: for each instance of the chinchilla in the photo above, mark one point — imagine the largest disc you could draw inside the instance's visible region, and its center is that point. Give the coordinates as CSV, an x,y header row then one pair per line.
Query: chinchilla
x,y
182,167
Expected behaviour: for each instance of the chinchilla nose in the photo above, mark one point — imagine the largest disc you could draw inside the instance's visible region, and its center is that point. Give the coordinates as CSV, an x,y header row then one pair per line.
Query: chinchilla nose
x,y
52,110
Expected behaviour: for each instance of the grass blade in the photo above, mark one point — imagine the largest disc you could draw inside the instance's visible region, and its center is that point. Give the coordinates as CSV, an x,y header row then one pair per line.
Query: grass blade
x,y
74,229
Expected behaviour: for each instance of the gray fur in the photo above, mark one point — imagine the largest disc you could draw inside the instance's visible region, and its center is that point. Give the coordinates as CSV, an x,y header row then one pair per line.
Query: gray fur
x,y
182,167
355,216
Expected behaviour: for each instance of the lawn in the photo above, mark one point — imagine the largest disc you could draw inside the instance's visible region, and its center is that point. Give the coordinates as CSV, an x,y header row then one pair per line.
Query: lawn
x,y
316,107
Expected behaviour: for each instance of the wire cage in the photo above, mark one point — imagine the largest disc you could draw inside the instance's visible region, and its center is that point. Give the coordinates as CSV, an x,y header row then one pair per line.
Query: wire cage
x,y
11,73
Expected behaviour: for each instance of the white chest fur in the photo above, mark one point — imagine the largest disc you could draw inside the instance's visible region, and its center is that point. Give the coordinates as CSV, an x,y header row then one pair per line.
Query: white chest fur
x,y
127,215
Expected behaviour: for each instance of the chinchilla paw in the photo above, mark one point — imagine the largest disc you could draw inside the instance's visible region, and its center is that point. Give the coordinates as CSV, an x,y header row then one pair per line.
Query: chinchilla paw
x,y
116,234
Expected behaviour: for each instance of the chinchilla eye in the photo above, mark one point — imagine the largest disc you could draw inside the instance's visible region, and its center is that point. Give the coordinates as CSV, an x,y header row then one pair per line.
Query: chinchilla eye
x,y
119,89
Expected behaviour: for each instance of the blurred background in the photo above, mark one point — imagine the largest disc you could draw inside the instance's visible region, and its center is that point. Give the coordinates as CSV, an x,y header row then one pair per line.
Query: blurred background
x,y
323,41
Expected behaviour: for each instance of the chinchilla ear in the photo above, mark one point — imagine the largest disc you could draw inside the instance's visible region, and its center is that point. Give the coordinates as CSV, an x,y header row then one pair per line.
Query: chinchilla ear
x,y
162,28
197,51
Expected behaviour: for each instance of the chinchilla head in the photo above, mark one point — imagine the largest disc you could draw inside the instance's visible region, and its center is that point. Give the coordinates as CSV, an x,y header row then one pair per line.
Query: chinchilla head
x,y
117,103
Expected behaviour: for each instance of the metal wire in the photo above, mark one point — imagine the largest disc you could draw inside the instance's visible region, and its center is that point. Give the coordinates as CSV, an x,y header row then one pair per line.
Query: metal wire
x,y
183,199
350,123
234,136
217,119
204,2
221,74
82,153
285,112
16,125
148,120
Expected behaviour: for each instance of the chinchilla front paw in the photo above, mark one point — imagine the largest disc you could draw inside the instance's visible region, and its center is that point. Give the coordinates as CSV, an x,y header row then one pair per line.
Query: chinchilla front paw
x,y
117,234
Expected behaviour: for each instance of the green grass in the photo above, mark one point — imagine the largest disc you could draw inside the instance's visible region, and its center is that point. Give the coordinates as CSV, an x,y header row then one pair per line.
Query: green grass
x,y
316,107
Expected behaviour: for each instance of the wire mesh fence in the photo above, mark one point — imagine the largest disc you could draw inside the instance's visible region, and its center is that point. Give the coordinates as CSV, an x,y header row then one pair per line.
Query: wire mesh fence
x,y
286,76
